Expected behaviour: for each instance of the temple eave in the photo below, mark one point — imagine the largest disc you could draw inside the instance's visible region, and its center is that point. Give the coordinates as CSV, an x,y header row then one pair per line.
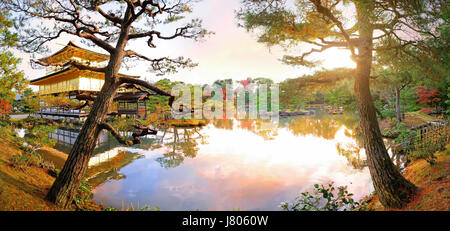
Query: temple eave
x,y
71,50
72,72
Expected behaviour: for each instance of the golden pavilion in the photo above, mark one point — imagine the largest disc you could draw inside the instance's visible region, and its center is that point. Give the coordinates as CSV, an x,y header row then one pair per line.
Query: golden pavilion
x,y
69,80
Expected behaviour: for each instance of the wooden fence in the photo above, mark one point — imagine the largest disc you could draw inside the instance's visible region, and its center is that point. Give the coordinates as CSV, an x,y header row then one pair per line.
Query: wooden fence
x,y
431,132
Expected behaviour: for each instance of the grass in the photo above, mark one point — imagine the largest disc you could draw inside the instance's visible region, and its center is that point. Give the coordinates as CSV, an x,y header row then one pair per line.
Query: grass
x,y
54,156
22,190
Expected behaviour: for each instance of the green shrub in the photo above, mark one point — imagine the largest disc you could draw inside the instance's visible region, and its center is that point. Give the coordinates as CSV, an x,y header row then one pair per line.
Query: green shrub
x,y
132,207
387,113
148,208
427,150
29,158
447,150
324,198
83,199
6,129
404,134
39,135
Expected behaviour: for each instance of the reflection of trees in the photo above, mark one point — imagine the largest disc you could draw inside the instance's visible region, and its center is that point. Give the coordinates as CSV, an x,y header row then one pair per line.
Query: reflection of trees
x,y
182,144
352,153
262,128
323,127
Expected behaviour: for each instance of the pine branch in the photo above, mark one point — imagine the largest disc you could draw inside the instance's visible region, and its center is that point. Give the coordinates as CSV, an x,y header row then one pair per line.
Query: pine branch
x,y
142,131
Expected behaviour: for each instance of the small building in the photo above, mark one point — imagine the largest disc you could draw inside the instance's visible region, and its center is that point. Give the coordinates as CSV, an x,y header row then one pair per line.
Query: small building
x,y
64,78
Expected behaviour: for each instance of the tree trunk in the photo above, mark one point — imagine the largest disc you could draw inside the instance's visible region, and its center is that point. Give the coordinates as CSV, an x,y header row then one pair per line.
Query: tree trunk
x,y
392,188
397,105
66,184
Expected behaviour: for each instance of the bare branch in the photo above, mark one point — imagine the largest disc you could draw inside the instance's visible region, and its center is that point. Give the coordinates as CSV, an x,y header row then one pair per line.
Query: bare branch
x,y
146,85
70,19
134,86
83,97
149,86
142,131
295,60
111,17
327,12
163,65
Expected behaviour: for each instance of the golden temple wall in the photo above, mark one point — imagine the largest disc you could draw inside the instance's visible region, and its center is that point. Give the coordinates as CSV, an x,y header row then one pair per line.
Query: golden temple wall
x,y
74,84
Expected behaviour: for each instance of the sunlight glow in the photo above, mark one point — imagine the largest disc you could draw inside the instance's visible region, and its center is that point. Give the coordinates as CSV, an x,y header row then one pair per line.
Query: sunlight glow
x,y
334,58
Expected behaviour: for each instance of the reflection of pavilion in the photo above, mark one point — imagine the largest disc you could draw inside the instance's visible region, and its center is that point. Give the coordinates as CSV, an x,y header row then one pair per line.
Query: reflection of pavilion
x,y
106,148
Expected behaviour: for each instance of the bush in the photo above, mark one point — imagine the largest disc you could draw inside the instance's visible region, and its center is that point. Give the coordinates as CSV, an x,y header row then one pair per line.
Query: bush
x,y
324,198
83,200
131,207
27,159
403,133
39,135
387,114
447,150
6,130
427,150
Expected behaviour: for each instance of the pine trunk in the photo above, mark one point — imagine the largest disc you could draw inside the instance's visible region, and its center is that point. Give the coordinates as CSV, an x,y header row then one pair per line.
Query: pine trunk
x,y
392,188
397,105
67,183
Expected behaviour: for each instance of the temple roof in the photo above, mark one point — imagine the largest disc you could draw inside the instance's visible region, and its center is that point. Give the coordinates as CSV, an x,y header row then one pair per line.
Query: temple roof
x,y
71,72
71,50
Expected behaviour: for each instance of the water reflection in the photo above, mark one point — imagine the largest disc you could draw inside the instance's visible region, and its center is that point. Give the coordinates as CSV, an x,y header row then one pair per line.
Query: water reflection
x,y
107,146
182,144
243,164
321,125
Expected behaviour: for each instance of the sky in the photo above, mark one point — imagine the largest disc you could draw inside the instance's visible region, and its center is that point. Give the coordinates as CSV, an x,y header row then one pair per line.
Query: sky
x,y
231,52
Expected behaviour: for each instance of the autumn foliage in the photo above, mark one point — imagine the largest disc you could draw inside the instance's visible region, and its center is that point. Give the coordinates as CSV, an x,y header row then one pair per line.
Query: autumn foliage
x,y
5,108
426,95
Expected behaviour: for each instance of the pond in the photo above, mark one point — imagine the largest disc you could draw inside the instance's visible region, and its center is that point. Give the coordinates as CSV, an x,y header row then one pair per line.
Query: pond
x,y
235,164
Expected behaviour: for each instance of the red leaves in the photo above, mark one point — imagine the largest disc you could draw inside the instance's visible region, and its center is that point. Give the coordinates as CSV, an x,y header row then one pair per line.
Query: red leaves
x,y
5,108
426,95
244,83
224,93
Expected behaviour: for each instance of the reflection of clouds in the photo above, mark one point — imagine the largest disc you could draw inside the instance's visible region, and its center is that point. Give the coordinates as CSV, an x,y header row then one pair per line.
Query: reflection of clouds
x,y
238,169
105,192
